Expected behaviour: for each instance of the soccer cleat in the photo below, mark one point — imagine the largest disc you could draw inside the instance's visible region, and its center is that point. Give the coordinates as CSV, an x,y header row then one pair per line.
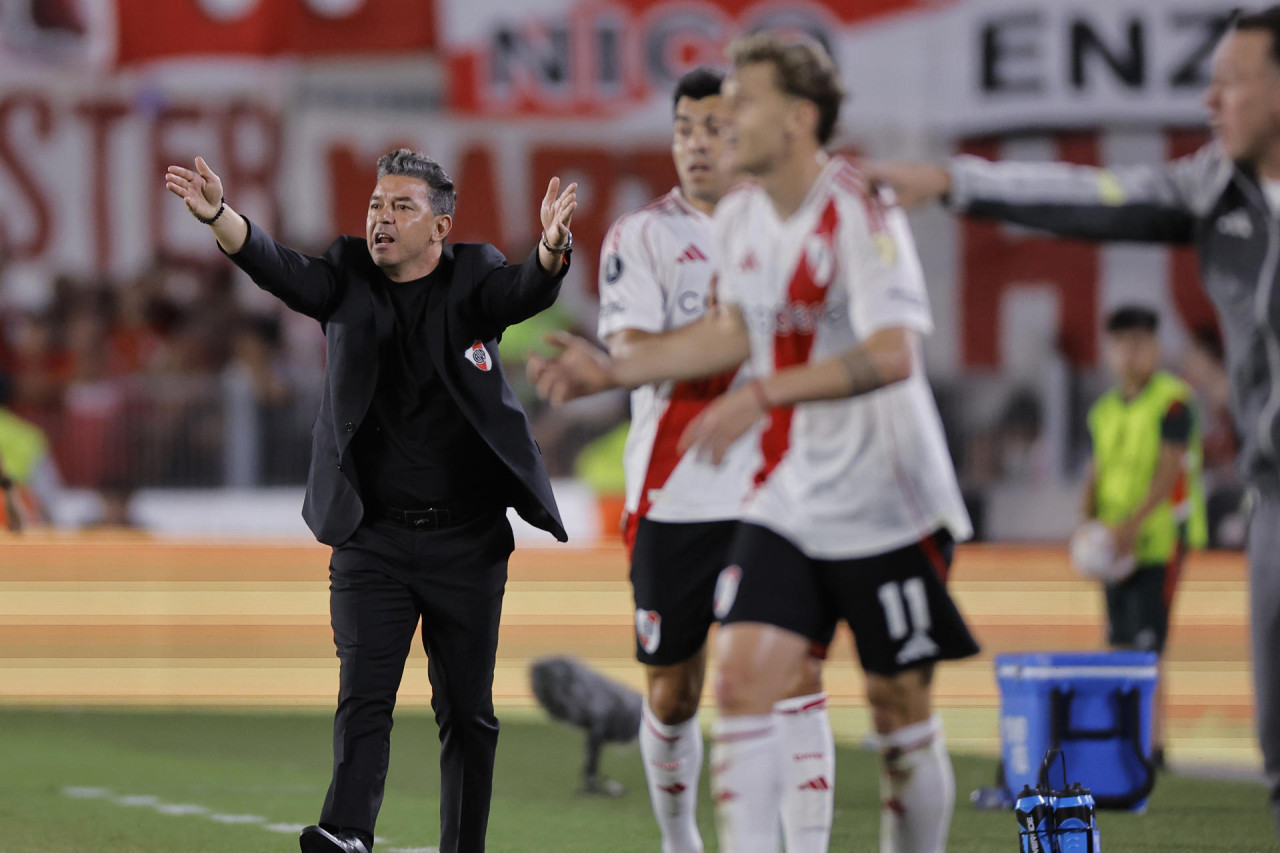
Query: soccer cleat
x,y
316,840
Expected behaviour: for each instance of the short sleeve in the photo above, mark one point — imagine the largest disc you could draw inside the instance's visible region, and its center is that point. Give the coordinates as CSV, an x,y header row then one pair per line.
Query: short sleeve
x,y
631,296
882,272
1177,423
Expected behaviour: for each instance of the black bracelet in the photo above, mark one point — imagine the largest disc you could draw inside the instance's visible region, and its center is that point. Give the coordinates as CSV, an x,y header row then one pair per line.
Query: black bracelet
x,y
222,205
6,482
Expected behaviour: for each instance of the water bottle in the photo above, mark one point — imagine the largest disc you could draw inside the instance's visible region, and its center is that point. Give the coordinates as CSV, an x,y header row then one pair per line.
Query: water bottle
x,y
1073,816
1034,811
1094,835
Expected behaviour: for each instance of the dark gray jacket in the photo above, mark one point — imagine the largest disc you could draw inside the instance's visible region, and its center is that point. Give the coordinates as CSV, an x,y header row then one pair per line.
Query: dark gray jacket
x,y
1205,200
347,293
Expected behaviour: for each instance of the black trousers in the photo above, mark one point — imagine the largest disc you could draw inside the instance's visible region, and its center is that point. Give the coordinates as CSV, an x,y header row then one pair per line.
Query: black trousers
x,y
381,582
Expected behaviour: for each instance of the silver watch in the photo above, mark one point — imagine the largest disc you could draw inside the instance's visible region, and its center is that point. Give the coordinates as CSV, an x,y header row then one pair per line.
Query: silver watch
x,y
562,250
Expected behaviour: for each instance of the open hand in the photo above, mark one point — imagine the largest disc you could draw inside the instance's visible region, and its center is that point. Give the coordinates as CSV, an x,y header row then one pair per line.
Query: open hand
x,y
578,369
557,212
200,189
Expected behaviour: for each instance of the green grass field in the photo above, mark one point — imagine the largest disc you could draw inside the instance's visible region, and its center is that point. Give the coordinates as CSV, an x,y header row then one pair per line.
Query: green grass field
x,y
174,782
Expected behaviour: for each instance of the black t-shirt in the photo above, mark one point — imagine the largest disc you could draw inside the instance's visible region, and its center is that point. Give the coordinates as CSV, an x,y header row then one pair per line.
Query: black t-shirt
x,y
416,448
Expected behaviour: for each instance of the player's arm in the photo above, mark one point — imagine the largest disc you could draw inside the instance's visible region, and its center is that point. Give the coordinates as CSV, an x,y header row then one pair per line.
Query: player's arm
x,y
714,343
886,357
1175,438
1135,203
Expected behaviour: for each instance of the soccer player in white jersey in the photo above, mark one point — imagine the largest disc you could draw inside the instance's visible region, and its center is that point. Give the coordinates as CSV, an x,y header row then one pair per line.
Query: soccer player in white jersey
x,y
655,277
856,507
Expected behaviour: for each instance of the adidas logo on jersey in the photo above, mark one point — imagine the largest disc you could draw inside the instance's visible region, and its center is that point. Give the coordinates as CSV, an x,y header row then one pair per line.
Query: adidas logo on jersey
x,y
691,253
817,783
748,263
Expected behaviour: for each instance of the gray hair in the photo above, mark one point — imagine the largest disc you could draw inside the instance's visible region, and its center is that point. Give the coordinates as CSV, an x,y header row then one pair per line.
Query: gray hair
x,y
411,164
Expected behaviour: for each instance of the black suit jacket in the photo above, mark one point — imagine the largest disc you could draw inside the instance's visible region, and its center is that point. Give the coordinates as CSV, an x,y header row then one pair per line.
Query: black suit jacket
x,y
347,293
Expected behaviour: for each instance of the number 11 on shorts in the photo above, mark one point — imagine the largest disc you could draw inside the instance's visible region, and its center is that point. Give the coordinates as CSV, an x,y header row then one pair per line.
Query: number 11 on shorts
x,y
906,611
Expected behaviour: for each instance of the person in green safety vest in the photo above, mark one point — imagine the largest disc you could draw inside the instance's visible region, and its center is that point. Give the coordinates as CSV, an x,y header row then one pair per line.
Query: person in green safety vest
x,y
1144,483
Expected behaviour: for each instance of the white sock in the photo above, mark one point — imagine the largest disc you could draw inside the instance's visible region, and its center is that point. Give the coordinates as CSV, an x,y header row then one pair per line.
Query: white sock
x,y
917,789
808,772
746,783
672,764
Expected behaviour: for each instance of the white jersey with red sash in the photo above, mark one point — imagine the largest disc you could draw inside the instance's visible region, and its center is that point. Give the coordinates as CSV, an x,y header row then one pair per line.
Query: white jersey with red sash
x,y
850,477
656,273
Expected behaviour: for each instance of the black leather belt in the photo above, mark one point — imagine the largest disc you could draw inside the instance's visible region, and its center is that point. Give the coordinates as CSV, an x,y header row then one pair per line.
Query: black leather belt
x,y
432,518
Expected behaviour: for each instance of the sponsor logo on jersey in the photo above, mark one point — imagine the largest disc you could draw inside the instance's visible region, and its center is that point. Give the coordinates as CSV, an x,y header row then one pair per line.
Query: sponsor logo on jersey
x,y
748,262
612,268
479,356
726,590
648,629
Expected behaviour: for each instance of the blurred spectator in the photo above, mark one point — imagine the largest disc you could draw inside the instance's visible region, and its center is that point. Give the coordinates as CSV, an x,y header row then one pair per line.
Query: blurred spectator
x,y
25,458
40,366
1011,450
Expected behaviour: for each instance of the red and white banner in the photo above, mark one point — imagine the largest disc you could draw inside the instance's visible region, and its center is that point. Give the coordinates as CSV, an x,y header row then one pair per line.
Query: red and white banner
x,y
158,29
949,66
82,155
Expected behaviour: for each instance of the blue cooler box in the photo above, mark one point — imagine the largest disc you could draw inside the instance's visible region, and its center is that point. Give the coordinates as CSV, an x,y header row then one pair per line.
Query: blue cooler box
x,y
1094,706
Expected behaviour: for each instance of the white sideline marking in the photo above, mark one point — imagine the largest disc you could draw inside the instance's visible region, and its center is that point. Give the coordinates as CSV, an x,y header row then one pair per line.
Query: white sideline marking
x,y
86,793
138,800
180,809
191,810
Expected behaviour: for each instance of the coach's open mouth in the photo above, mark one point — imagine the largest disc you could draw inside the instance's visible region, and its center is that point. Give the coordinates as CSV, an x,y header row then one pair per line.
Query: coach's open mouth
x,y
382,239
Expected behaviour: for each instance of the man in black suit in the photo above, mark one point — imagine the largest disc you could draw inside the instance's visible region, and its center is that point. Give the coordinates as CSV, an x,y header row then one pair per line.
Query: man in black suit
x,y
419,448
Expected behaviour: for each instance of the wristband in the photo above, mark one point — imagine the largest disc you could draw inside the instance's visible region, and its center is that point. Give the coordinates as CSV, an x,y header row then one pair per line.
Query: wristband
x,y
222,206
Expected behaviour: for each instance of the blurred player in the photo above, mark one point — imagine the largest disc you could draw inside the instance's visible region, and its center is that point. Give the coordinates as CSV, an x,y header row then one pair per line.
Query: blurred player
x,y
1144,482
1224,200
655,277
856,506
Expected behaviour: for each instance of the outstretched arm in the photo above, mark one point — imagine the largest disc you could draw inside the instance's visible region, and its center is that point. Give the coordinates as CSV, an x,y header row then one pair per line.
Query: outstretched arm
x,y
201,190
512,294
306,284
1146,203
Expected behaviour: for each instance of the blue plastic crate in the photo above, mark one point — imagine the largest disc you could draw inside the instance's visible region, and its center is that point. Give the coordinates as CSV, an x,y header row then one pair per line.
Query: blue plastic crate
x,y
1094,706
